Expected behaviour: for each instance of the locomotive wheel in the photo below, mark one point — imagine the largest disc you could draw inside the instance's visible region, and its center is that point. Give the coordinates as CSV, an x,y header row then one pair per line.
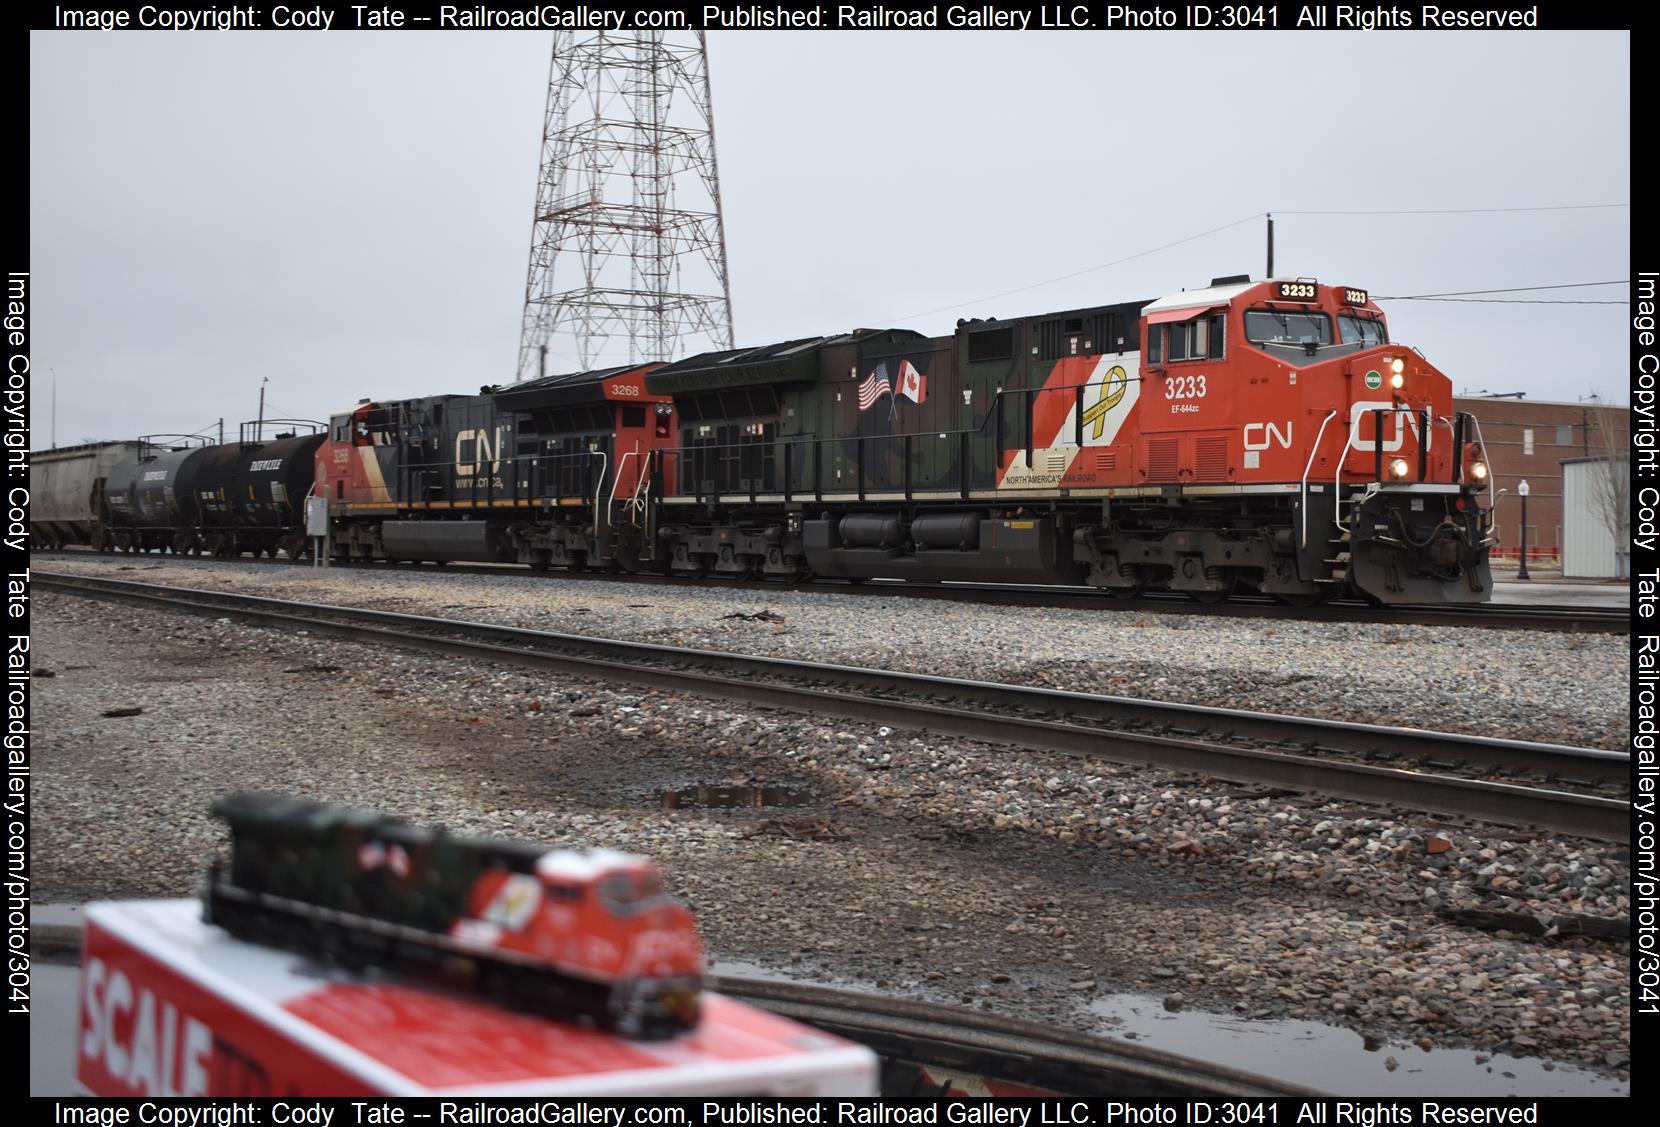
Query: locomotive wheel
x,y
1213,598
1127,593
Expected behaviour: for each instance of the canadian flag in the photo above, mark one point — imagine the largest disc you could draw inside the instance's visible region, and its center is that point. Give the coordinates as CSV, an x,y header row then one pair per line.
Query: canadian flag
x,y
912,383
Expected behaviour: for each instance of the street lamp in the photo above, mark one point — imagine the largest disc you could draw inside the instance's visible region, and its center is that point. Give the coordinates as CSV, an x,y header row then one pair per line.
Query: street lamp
x,y
1521,491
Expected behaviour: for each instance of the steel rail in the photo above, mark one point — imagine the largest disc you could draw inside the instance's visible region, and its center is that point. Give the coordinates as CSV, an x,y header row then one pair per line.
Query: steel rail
x,y
998,1047
1496,616
664,667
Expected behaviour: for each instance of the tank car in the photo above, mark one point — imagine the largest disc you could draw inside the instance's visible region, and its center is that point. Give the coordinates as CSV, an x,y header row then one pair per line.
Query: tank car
x,y
251,494
151,496
573,934
183,494
66,493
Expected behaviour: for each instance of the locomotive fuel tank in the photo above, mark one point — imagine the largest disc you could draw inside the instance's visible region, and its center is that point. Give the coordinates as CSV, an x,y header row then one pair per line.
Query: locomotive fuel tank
x,y
475,541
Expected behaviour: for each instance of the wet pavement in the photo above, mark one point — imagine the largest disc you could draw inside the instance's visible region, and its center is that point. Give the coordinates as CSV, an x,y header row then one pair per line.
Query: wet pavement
x,y
1550,589
1340,1061
52,1032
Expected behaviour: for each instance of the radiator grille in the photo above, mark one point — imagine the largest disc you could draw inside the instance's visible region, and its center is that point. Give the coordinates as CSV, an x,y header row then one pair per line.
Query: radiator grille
x,y
1106,460
1211,457
1161,459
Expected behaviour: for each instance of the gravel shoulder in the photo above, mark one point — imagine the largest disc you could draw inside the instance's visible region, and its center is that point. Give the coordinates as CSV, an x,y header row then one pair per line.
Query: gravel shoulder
x,y
933,868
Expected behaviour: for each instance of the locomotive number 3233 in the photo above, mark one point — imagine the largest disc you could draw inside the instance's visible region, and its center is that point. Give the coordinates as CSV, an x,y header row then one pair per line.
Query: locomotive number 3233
x,y
1184,387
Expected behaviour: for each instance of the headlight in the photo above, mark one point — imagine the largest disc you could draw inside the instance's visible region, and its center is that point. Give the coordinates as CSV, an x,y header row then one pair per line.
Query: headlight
x,y
1478,470
1398,468
1397,365
1397,381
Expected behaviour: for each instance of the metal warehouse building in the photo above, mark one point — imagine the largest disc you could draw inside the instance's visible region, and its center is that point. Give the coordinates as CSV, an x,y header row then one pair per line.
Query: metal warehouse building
x,y
1589,547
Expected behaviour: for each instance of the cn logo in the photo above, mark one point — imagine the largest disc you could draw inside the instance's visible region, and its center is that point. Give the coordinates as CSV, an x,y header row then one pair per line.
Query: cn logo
x,y
474,448
1261,436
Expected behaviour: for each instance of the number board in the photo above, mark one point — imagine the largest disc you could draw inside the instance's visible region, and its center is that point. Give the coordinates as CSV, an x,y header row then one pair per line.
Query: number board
x,y
1353,296
1296,291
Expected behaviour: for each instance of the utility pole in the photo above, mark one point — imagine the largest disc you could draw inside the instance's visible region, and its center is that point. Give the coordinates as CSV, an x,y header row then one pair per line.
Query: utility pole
x,y
54,372
627,247
1270,273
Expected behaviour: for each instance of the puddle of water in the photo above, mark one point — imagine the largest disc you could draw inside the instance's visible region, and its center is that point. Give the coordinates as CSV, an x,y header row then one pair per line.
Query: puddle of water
x,y
732,796
743,968
1332,1059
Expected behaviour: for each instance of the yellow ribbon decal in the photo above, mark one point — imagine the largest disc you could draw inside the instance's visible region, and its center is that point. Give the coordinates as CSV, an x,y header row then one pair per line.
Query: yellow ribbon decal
x,y
1113,386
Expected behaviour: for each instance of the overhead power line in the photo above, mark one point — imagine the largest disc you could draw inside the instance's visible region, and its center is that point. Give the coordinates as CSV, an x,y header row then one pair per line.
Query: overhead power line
x,y
1260,214
1506,300
1462,210
1081,273
1513,289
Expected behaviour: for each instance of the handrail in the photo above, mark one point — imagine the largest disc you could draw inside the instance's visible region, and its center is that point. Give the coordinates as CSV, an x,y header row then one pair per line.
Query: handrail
x,y
616,478
1308,469
599,484
1492,497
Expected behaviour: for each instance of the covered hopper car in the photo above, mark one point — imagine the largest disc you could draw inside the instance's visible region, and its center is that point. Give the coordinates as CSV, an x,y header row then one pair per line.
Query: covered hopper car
x,y
66,493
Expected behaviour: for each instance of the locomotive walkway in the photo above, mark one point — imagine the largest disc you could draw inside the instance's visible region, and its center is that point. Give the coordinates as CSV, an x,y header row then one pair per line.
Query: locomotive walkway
x,y
1579,791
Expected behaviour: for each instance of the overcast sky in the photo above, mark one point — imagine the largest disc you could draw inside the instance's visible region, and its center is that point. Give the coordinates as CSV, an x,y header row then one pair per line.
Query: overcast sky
x,y
349,214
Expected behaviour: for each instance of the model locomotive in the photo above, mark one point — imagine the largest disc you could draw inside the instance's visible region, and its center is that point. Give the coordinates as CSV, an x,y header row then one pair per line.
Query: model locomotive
x,y
573,934
1265,435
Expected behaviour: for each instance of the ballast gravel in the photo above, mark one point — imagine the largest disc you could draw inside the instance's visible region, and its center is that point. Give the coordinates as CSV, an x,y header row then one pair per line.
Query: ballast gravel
x,y
1535,685
939,869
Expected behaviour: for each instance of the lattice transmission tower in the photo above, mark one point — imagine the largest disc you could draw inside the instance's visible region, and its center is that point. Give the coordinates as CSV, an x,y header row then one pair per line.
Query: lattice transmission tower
x,y
628,251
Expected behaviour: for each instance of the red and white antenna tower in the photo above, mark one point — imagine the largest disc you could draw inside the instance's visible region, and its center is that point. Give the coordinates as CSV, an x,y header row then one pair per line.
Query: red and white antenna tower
x,y
628,251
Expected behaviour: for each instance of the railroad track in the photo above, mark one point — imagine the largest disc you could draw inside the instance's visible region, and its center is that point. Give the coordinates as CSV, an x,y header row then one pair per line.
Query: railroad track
x,y
923,1045
1448,774
1499,616
926,1041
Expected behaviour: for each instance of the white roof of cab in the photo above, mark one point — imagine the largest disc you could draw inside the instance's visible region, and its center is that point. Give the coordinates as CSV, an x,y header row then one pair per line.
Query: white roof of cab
x,y
1199,299
585,864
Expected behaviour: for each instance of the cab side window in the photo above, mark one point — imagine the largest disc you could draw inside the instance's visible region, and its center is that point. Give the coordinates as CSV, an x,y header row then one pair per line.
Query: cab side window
x,y
1202,338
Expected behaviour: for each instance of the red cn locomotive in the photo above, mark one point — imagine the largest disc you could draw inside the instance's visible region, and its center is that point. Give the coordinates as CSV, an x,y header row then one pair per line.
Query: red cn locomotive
x,y
573,934
1267,436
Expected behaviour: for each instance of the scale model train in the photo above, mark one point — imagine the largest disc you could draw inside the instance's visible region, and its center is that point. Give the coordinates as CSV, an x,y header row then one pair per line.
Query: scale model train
x,y
570,934
1264,435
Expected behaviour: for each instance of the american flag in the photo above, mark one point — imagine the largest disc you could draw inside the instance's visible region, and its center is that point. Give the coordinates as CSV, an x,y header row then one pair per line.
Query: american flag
x,y
875,386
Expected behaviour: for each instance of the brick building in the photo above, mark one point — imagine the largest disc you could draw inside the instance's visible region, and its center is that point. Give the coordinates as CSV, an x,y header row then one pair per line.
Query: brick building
x,y
1530,438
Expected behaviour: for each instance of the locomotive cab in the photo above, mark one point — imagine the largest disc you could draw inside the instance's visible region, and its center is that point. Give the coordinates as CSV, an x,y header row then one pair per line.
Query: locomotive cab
x,y
601,916
1387,479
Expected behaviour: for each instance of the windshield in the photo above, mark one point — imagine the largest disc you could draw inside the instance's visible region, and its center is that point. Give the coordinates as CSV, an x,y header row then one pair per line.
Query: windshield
x,y
1269,326
626,893
1359,328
